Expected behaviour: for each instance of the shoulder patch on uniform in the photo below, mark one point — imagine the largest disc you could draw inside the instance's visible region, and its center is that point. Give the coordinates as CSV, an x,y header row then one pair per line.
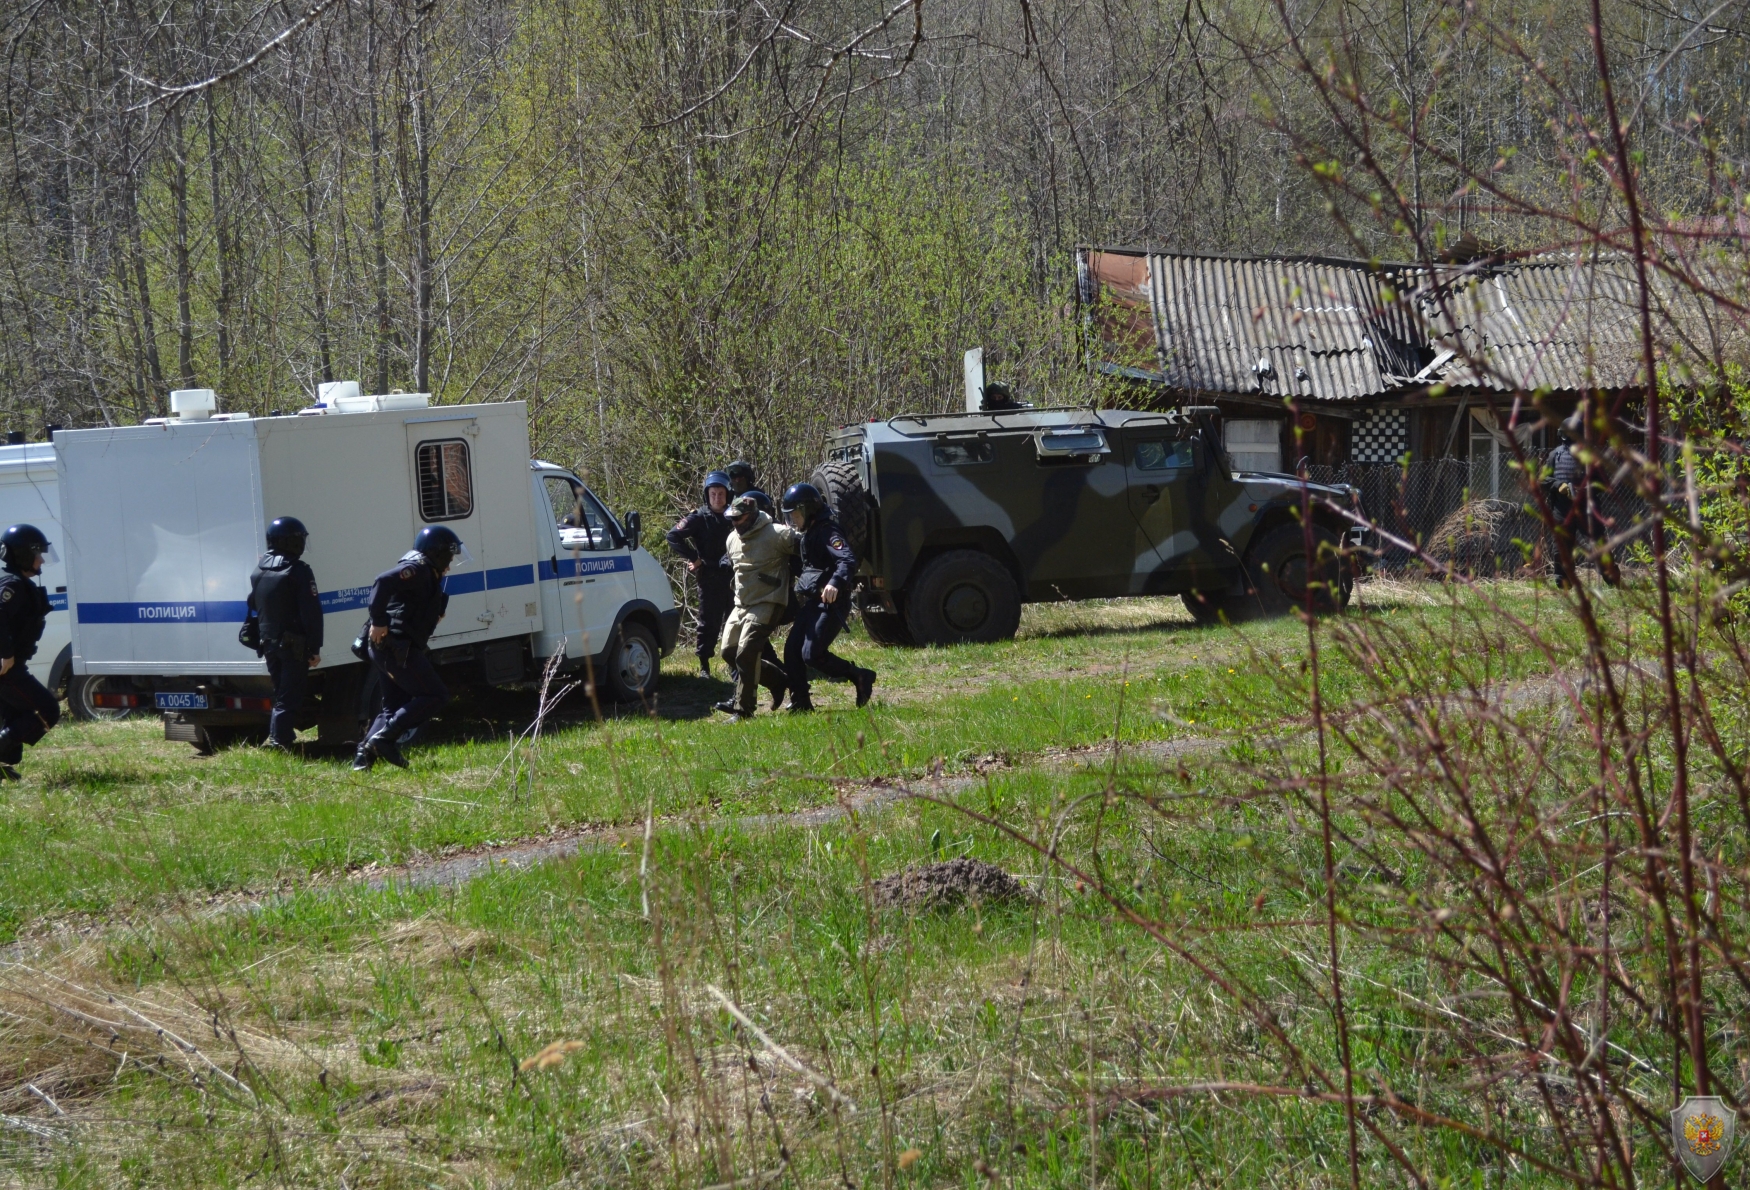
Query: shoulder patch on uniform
x,y
6,593
838,543
313,590
407,573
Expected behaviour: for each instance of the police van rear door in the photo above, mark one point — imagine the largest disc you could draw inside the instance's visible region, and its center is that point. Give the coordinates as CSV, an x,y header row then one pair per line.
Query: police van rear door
x,y
442,457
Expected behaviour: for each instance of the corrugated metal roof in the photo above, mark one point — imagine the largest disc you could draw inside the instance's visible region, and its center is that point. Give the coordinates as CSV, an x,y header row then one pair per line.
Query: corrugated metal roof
x,y
1335,330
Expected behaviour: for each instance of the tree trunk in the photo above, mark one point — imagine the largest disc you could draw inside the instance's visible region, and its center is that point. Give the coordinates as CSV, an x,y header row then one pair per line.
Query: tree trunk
x,y
184,301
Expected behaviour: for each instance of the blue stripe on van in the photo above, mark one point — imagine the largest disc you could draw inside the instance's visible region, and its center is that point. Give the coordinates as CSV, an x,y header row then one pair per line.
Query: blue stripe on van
x,y
464,584
510,576
573,567
221,611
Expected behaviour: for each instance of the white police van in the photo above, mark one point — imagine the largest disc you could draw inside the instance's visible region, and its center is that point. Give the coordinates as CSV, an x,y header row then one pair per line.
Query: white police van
x,y
29,495
164,524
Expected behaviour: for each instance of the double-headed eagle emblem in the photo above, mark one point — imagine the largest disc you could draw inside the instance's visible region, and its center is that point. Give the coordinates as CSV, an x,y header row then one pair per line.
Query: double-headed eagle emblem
x,y
1701,1132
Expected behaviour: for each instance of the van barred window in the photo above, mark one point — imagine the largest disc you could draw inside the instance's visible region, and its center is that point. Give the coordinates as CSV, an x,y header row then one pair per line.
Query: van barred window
x,y
446,484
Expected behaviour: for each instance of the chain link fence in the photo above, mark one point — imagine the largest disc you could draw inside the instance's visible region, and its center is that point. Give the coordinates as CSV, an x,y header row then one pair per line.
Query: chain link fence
x,y
1478,515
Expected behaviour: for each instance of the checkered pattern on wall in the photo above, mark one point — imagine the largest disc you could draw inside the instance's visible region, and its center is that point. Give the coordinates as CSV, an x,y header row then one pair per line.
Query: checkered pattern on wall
x,y
1381,437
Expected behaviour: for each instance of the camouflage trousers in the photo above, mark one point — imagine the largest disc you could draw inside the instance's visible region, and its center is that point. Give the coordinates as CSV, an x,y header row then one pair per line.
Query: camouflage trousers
x,y
746,637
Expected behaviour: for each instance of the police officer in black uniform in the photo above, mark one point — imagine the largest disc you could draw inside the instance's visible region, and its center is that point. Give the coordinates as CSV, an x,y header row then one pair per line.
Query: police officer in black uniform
x,y
407,601
26,706
741,480
823,599
701,537
282,593
1571,490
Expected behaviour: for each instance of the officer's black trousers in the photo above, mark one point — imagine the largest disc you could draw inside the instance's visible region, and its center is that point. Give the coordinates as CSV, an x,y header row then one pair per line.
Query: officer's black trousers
x,y
817,625
412,690
290,671
28,710
716,600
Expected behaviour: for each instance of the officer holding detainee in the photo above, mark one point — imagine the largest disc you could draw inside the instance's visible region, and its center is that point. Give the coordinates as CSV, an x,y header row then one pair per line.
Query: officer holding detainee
x,y
26,706
407,601
823,592
284,599
759,557
701,538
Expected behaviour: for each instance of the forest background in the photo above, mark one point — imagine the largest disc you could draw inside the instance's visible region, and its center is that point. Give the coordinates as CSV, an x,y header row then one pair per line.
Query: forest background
x,y
688,233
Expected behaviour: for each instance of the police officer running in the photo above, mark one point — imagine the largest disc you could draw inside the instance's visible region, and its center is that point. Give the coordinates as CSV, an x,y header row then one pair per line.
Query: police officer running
x,y
407,602
759,554
282,593
824,599
26,706
701,537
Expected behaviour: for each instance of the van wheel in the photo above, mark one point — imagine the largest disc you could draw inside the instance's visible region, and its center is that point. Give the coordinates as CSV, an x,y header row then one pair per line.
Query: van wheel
x,y
1278,570
963,597
886,628
81,689
633,664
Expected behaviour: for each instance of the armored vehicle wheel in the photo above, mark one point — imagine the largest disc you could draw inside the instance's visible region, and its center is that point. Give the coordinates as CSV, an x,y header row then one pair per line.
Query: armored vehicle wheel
x,y
963,597
1278,569
886,628
1208,607
632,664
850,504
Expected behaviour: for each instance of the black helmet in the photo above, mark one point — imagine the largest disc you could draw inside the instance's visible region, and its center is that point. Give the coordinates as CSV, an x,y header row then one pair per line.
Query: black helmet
x,y
741,471
804,498
21,544
286,536
440,546
717,479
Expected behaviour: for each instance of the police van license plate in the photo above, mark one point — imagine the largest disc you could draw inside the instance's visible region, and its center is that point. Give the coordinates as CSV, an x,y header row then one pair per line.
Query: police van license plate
x,y
179,700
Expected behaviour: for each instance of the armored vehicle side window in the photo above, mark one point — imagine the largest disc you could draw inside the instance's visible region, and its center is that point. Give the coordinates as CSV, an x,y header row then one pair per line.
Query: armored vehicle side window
x,y
1164,456
446,484
962,454
1072,444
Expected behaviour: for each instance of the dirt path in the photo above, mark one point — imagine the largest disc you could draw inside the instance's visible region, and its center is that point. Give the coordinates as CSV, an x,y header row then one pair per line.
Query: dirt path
x,y
859,798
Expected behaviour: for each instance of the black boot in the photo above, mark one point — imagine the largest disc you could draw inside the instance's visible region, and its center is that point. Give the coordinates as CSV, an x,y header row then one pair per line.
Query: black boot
x,y
9,772
728,706
364,758
705,667
801,706
386,748
865,682
778,695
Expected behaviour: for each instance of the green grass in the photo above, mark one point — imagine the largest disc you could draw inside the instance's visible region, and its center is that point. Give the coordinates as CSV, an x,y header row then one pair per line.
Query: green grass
x,y
381,1029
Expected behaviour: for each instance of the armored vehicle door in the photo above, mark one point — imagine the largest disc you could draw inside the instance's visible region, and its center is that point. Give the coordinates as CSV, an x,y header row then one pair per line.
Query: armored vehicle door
x,y
1084,541
1159,464
1168,480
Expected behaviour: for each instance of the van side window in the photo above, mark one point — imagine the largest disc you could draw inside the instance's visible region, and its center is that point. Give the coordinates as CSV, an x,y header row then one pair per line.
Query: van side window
x,y
582,522
1163,456
446,484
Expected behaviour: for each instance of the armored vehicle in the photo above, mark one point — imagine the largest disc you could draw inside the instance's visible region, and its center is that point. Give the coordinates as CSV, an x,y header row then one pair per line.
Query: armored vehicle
x,y
960,518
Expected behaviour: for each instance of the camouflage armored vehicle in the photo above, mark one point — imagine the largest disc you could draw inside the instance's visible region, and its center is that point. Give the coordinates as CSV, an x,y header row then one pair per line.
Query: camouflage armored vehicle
x,y
961,518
